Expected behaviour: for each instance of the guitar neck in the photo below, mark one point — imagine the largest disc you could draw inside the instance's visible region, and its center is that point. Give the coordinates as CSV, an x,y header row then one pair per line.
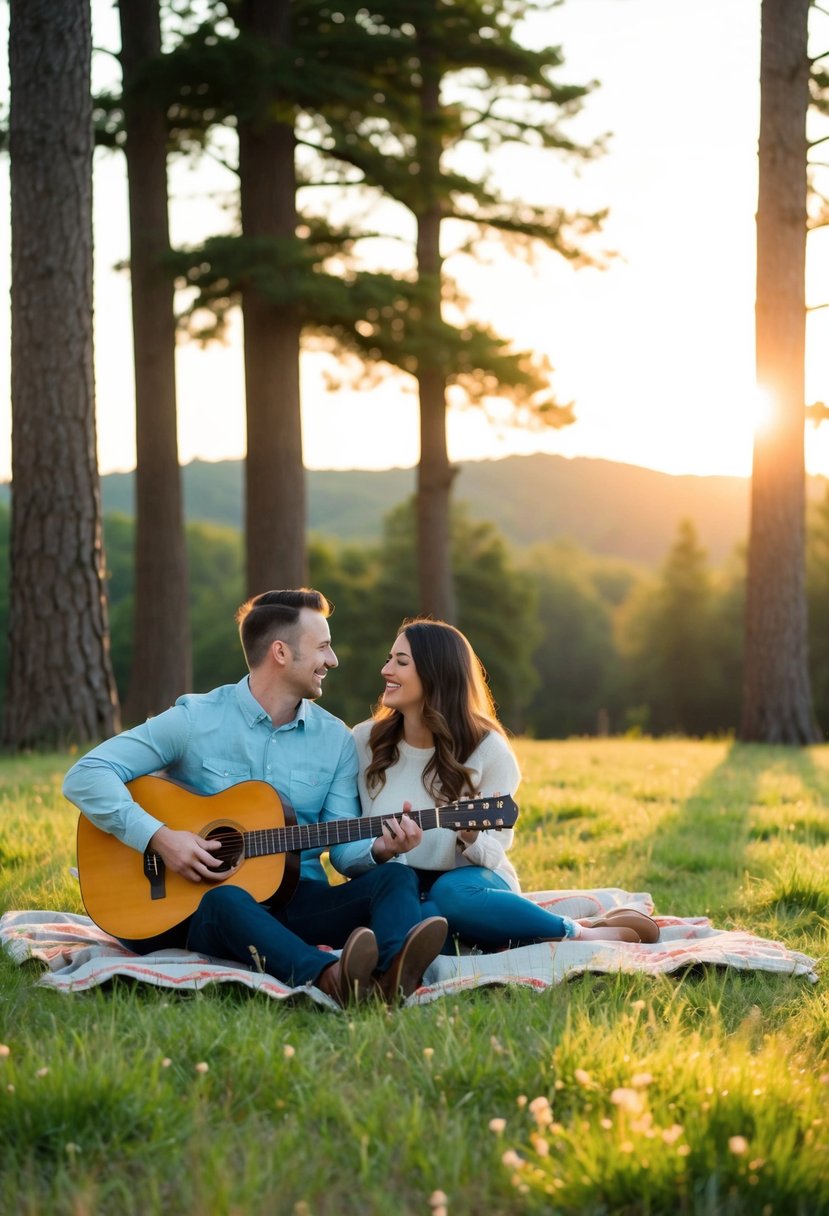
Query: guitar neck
x,y
297,836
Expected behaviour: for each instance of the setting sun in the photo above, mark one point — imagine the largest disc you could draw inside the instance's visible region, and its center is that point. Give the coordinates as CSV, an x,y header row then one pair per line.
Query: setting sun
x,y
762,408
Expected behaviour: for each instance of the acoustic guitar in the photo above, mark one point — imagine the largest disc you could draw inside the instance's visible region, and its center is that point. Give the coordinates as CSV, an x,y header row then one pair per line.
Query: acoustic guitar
x,y
133,895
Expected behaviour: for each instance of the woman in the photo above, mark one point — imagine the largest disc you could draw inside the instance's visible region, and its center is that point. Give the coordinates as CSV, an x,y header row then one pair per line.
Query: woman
x,y
434,735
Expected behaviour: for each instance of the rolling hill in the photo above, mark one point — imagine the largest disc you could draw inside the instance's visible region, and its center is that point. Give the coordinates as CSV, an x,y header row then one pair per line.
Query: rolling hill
x,y
617,510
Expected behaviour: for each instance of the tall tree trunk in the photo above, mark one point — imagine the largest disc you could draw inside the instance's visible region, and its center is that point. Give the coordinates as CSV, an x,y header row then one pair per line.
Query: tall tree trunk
x,y
162,657
275,494
434,474
60,686
777,704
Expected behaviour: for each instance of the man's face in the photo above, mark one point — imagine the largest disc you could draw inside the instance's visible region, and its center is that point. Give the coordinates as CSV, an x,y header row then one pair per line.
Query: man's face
x,y
311,655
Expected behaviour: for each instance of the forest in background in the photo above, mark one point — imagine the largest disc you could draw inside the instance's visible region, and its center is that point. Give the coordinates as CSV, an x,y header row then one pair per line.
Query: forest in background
x,y
265,83
575,642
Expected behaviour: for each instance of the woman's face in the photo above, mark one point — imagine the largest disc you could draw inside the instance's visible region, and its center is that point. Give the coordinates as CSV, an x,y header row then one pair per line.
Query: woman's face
x,y
403,691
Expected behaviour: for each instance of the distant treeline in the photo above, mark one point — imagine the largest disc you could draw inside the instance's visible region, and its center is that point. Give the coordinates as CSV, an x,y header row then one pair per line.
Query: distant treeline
x,y
574,643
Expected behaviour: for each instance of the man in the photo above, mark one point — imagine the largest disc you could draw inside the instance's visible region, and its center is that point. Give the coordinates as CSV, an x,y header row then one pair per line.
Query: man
x,y
268,728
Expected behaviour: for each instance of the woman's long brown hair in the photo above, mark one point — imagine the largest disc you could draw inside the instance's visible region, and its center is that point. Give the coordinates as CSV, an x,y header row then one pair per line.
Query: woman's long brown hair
x,y
457,708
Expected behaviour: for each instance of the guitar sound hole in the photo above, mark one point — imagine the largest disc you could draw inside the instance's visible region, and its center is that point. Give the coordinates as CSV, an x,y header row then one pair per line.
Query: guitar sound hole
x,y
232,847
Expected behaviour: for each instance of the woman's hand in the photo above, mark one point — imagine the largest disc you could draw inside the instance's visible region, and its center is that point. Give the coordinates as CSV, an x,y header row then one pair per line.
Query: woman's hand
x,y
468,837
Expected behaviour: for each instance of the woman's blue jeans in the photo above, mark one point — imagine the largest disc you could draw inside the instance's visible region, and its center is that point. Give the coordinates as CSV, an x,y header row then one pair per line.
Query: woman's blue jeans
x,y
229,923
483,911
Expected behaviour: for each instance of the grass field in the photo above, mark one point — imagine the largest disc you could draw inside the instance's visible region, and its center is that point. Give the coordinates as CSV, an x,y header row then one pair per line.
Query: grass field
x,y
705,1093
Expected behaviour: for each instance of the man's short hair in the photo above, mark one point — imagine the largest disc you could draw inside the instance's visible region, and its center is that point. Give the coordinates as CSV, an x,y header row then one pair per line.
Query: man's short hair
x,y
274,615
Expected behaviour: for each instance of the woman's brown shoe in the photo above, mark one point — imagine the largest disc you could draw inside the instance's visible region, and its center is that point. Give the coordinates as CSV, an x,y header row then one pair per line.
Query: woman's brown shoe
x,y
422,945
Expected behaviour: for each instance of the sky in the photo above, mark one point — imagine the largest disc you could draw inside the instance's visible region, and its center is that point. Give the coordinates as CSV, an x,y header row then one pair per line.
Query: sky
x,y
656,352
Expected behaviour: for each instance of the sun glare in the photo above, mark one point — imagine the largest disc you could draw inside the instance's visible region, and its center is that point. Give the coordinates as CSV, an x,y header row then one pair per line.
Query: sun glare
x,y
762,408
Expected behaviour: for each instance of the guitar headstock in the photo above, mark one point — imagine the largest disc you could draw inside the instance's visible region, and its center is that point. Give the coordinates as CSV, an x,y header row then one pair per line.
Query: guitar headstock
x,y
479,814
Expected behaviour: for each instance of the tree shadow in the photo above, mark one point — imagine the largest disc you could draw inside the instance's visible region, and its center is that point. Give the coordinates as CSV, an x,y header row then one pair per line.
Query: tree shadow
x,y
698,857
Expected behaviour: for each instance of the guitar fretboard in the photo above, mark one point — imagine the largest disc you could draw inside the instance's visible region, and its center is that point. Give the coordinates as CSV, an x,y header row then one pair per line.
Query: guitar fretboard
x,y
266,841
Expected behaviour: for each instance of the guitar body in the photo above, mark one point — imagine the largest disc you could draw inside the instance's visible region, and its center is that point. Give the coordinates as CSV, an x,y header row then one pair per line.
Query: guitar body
x,y
123,890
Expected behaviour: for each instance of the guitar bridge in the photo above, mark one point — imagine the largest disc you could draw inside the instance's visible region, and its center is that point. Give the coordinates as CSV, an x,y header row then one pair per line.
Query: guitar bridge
x,y
155,874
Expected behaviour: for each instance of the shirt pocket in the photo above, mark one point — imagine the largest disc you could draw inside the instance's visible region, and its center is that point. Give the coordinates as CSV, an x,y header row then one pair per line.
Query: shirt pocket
x,y
308,791
218,774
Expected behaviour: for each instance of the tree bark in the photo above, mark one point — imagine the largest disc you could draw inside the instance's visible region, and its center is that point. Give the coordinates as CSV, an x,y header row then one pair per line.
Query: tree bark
x,y
275,492
777,703
435,474
162,657
60,686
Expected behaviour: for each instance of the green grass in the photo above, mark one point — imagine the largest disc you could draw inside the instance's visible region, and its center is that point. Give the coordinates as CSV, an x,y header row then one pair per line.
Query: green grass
x,y
699,1094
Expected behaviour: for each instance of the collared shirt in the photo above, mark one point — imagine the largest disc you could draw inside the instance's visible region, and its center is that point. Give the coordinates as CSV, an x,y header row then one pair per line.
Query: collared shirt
x,y
210,741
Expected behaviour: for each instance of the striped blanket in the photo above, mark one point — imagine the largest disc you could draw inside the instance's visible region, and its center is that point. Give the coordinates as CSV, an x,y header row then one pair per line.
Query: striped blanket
x,y
78,955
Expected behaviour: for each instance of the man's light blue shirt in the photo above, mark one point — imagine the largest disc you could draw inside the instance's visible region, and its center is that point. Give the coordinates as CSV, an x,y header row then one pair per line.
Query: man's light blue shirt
x,y
210,741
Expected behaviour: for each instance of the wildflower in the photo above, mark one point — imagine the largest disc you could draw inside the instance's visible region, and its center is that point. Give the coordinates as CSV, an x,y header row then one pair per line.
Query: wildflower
x,y
541,1111
202,1067
511,1160
42,1072
497,1125
630,1100
166,1062
521,1101
643,1126
606,1123
4,1051
540,1145
428,1052
638,1005
737,1144
496,1045
582,1077
671,1134
288,1051
438,1201
641,1080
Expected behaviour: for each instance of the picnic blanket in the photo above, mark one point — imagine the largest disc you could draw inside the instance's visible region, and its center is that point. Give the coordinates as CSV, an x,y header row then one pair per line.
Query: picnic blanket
x,y
80,956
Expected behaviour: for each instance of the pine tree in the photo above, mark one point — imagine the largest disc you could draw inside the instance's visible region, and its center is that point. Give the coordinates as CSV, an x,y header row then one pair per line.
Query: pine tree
x,y
448,79
347,88
162,666
60,686
777,703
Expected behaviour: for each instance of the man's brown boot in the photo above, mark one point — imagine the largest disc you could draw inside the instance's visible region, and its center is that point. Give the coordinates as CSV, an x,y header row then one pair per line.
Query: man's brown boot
x,y
422,945
349,980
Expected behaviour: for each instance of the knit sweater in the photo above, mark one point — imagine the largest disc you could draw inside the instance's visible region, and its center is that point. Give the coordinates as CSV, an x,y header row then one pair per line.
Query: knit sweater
x,y
494,771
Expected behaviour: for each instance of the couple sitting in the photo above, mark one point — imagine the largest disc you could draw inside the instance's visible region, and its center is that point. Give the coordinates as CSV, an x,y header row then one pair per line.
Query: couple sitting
x,y
434,733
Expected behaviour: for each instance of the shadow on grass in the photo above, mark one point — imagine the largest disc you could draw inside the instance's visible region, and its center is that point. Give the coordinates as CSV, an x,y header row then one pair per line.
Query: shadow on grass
x,y
698,856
